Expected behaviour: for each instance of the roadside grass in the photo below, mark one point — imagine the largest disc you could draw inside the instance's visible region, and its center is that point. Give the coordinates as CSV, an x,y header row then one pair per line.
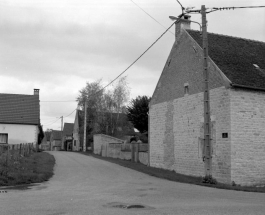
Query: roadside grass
x,y
173,176
36,168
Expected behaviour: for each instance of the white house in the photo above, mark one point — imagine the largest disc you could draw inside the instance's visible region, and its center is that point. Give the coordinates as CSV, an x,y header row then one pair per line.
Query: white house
x,y
19,118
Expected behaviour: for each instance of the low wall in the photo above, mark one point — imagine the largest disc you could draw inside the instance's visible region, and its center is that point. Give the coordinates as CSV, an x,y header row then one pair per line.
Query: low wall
x,y
143,158
108,146
101,141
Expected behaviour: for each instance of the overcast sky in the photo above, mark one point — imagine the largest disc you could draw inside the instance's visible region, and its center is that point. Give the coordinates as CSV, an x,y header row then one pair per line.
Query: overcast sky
x,y
59,45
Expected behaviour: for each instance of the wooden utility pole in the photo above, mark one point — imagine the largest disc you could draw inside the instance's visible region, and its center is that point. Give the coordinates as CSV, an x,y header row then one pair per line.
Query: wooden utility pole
x,y
84,143
207,117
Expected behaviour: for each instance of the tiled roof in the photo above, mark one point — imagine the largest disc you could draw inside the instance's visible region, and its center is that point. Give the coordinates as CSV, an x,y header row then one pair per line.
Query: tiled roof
x,y
47,135
19,109
56,135
68,129
235,57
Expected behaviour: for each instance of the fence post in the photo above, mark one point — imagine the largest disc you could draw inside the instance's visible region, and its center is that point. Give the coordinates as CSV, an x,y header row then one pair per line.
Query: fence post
x,y
133,151
7,156
137,152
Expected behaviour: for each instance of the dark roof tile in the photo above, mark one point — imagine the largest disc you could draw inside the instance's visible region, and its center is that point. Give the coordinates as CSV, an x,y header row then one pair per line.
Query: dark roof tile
x,y
19,109
56,135
235,57
68,129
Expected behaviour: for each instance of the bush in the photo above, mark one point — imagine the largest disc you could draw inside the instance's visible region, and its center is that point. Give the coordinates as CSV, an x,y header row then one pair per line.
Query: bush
x,y
209,180
36,168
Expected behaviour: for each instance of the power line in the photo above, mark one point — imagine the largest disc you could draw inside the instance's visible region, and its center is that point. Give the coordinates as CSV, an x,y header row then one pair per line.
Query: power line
x,y
139,57
52,122
223,8
150,16
124,70
232,8
182,8
129,65
59,118
70,113
229,8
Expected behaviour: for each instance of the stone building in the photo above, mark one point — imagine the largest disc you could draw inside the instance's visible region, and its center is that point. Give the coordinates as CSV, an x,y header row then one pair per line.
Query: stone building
x,y
237,101
56,140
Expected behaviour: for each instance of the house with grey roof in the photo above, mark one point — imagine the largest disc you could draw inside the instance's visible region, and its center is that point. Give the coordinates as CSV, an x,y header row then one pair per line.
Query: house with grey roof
x,y
45,143
19,118
77,131
56,140
67,136
237,108
113,124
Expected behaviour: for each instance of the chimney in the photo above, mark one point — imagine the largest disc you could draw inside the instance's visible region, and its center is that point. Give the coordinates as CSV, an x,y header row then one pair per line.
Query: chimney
x,y
184,23
36,92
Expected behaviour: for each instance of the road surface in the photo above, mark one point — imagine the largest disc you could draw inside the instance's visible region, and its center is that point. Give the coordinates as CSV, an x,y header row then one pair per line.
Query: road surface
x,y
84,185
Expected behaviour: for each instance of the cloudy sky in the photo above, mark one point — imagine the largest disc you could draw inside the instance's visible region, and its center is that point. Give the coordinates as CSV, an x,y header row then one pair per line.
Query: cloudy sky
x,y
59,45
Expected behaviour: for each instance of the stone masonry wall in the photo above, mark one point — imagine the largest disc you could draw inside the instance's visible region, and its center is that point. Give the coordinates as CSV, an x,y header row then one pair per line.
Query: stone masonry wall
x,y
101,142
157,128
177,125
248,137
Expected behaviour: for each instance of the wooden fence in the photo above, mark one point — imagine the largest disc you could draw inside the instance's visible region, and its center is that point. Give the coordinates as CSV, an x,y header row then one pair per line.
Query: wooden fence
x,y
11,153
15,151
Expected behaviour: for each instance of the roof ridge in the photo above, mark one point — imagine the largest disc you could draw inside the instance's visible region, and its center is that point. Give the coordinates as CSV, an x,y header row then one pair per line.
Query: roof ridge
x,y
16,94
251,40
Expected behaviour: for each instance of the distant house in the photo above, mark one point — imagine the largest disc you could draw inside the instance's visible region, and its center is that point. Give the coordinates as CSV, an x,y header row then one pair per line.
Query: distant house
x,y
56,140
237,108
45,143
118,126
77,135
67,143
19,118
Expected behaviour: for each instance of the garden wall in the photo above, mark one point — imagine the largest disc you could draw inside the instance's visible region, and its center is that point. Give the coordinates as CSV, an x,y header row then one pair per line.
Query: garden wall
x,y
108,146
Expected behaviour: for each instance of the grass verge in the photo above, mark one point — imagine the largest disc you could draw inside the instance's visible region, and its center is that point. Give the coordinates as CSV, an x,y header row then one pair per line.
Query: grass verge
x,y
172,175
33,169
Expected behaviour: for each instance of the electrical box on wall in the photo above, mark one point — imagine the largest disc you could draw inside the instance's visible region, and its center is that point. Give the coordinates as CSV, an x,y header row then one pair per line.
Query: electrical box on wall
x,y
224,135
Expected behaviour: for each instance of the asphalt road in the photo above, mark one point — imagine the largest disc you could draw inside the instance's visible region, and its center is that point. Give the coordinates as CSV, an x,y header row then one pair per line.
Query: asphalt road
x,y
83,185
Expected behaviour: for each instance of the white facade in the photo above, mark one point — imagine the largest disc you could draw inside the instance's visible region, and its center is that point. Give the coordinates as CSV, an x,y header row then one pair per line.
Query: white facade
x,y
20,133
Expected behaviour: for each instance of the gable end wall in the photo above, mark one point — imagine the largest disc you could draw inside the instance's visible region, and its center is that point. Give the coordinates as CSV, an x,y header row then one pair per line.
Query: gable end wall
x,y
176,119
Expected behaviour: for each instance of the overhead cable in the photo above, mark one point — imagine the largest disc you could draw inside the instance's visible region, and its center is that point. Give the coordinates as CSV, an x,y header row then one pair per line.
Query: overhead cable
x,y
150,16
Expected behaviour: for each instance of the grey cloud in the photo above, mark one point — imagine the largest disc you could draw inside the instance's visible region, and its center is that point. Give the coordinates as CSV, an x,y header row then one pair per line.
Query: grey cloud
x,y
40,48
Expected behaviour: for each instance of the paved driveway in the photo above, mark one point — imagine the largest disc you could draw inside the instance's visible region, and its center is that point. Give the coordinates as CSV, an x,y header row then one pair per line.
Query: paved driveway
x,y
85,185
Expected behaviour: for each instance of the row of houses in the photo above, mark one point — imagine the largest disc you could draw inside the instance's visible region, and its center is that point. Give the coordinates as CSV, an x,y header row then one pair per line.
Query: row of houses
x,y
71,138
176,116
20,118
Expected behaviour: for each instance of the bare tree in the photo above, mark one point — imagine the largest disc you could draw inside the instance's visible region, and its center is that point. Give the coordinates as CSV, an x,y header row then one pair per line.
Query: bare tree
x,y
121,94
103,107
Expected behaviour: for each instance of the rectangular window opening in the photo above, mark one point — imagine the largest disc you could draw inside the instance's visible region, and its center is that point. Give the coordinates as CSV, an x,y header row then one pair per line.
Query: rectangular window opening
x,y
169,62
3,138
186,89
224,135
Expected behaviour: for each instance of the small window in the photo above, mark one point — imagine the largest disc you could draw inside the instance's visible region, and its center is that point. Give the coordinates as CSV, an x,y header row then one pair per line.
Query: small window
x,y
186,89
169,62
74,142
3,138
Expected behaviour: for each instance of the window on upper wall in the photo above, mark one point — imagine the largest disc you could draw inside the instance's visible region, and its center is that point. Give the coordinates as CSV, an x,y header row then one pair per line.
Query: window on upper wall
x,y
169,62
186,89
3,138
